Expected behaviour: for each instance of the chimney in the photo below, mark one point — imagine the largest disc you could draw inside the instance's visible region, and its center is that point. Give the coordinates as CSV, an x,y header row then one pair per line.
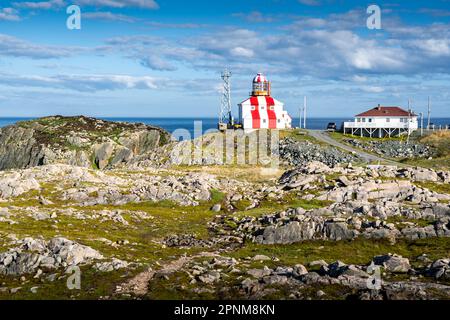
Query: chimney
x,y
379,107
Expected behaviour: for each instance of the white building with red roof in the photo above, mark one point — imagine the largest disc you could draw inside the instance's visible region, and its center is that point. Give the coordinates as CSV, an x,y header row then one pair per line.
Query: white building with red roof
x,y
382,121
261,111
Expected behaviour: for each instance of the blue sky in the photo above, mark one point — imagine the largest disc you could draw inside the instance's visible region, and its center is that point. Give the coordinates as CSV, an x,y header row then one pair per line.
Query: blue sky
x,y
162,58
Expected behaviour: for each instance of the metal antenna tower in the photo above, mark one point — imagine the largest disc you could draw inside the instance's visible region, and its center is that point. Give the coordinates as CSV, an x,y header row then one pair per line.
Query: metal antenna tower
x,y
225,107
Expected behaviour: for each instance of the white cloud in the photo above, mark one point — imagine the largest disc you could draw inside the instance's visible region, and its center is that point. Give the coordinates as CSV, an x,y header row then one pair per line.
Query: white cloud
x,y
75,82
255,16
373,89
40,5
310,2
161,25
55,4
358,78
242,52
9,14
146,4
108,16
157,63
435,47
11,46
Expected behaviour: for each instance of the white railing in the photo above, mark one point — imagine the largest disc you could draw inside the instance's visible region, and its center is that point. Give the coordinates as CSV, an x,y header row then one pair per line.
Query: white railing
x,y
375,125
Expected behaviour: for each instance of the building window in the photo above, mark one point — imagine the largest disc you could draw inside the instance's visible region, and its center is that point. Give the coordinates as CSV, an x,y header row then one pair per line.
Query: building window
x,y
271,107
358,119
388,119
264,120
253,108
262,108
363,119
370,119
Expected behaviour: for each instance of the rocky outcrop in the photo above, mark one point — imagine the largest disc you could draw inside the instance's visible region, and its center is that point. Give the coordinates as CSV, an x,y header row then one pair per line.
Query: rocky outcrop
x,y
33,254
296,225
393,148
355,281
298,153
393,263
439,269
79,141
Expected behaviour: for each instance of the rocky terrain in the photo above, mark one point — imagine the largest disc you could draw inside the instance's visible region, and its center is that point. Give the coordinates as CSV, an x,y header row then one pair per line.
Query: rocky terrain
x,y
298,153
324,225
393,148
79,141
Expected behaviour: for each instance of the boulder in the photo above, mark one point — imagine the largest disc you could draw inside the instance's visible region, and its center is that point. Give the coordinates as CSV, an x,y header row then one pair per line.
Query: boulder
x,y
439,269
259,273
393,263
339,231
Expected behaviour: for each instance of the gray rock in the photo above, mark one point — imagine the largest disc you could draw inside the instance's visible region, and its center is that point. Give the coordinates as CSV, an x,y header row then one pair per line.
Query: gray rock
x,y
72,140
299,270
39,254
299,153
439,269
102,154
393,263
209,277
275,280
109,266
260,257
339,231
319,263
259,273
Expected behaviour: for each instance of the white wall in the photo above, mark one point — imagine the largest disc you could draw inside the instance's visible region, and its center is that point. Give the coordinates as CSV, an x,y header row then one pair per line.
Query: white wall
x,y
384,122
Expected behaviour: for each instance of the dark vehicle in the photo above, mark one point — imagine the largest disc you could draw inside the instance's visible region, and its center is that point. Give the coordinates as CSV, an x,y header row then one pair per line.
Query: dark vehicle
x,y
331,127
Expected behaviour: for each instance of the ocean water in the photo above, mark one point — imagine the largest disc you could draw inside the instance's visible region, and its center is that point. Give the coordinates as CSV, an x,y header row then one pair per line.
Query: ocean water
x,y
204,124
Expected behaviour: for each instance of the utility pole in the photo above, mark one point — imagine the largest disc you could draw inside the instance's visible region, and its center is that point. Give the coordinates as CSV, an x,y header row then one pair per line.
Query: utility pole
x,y
304,112
409,119
421,123
429,113
300,110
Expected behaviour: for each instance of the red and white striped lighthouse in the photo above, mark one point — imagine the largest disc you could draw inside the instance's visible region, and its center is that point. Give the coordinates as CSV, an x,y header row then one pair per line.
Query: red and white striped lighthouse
x,y
261,110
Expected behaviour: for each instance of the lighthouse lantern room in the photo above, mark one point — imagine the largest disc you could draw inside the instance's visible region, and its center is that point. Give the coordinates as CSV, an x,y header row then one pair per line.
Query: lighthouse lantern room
x,y
261,110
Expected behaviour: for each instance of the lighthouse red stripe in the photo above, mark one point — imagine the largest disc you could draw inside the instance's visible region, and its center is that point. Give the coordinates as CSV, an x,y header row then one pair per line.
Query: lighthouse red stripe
x,y
271,113
256,118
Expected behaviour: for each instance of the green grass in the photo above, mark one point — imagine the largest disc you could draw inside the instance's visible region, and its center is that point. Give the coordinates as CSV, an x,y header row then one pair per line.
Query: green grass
x,y
169,218
443,188
362,250
93,285
358,252
299,135
439,163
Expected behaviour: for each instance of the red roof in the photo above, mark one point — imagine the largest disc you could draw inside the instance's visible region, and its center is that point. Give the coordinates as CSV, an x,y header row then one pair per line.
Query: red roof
x,y
386,112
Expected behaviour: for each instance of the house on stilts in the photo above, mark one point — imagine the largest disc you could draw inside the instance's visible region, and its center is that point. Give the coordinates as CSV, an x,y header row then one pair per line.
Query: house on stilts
x,y
382,122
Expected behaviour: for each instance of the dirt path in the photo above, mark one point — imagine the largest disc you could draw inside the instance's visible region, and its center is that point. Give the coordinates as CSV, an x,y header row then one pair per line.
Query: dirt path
x,y
324,137
138,285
